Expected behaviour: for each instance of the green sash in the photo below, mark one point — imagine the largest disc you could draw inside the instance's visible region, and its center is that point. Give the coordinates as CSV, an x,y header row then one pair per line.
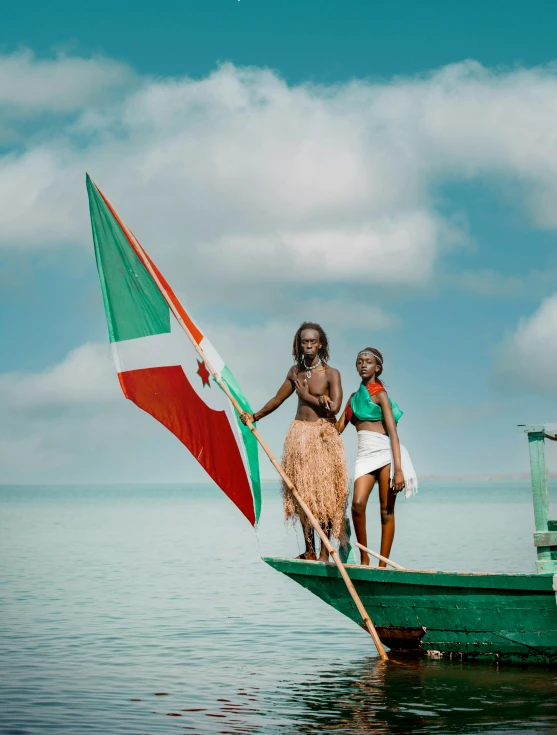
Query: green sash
x,y
365,409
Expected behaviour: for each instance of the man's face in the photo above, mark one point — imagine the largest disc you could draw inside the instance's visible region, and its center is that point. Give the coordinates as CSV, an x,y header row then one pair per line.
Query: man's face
x,y
311,343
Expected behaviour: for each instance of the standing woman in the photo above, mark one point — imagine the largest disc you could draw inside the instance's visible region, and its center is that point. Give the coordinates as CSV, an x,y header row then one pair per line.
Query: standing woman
x,y
381,457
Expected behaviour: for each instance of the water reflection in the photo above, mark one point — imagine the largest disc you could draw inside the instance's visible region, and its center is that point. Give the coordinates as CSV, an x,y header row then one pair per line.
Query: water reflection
x,y
426,696
116,617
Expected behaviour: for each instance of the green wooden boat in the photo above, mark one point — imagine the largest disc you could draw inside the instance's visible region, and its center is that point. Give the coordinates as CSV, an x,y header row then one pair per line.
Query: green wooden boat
x,y
507,617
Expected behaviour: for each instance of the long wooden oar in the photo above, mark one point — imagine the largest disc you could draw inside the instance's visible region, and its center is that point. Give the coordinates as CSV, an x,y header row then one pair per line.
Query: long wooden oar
x,y
382,558
334,553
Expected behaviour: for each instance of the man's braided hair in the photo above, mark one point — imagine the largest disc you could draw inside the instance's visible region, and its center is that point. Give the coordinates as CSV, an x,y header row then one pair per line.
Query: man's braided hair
x,y
297,345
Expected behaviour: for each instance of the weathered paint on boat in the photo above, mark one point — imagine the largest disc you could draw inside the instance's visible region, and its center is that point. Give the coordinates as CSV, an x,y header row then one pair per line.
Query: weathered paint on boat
x,y
545,536
478,615
509,617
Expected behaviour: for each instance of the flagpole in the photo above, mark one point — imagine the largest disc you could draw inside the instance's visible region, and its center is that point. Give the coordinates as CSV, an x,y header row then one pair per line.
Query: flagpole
x,y
334,553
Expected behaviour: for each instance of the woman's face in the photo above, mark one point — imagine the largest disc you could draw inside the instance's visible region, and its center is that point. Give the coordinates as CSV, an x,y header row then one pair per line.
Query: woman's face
x,y
366,365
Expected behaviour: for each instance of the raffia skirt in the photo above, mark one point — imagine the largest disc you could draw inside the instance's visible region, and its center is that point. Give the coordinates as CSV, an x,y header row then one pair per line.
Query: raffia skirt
x,y
314,460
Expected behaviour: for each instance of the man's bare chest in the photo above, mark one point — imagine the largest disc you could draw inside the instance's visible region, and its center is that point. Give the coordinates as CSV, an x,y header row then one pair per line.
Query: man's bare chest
x,y
318,384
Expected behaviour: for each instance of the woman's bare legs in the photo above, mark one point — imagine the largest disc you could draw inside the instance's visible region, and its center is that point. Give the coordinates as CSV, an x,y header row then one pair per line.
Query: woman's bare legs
x,y
387,500
362,489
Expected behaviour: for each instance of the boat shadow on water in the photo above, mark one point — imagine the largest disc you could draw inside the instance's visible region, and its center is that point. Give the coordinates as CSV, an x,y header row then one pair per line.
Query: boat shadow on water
x,y
428,696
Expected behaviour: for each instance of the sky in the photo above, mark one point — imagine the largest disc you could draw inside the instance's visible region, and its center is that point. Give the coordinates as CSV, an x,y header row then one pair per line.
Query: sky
x,y
386,169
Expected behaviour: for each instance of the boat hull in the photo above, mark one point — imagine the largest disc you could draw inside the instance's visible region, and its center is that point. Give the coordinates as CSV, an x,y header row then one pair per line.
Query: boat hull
x,y
473,615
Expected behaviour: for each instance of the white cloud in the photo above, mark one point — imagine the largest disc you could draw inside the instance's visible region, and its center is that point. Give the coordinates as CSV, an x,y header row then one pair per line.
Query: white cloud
x,y
40,202
240,169
329,183
29,85
71,422
345,313
300,190
527,360
397,249
85,376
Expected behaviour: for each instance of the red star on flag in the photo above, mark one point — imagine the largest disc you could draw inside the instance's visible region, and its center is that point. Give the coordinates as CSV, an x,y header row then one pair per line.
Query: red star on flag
x,y
203,373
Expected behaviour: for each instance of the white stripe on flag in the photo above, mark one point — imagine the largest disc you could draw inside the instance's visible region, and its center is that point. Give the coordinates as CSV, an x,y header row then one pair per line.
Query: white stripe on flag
x,y
165,350
217,363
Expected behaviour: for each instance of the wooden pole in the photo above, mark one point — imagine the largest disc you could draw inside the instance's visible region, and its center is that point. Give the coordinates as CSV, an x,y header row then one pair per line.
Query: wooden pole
x,y
334,553
544,539
382,558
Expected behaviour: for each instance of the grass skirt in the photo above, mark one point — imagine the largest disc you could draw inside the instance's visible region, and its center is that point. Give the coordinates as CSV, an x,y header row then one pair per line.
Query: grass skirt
x,y
314,460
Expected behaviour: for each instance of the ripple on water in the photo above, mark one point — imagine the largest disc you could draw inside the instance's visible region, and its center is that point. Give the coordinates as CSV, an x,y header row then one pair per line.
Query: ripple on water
x,y
119,615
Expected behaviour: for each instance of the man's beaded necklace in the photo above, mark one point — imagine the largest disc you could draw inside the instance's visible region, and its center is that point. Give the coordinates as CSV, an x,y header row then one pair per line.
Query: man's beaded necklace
x,y
311,367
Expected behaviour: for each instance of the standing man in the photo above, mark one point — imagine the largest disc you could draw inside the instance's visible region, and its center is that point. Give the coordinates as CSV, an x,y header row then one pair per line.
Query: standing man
x,y
313,450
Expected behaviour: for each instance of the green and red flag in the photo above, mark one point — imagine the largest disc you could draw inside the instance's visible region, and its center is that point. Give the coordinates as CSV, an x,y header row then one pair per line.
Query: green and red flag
x,y
158,366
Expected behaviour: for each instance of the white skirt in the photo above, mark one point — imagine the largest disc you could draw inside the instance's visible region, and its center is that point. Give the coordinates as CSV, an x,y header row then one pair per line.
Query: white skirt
x,y
374,452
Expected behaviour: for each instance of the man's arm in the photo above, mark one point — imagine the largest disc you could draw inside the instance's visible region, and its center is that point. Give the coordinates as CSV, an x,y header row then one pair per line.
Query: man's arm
x,y
335,391
329,404
284,392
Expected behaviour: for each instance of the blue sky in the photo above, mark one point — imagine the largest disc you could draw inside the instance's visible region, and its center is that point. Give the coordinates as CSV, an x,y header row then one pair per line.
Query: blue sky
x,y
319,40
389,170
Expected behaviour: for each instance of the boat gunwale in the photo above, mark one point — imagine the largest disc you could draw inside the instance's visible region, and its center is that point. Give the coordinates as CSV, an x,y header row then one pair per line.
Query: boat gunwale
x,y
533,582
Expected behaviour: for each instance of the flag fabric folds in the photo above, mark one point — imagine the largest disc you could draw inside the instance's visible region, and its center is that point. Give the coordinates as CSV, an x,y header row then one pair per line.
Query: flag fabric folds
x,y
160,370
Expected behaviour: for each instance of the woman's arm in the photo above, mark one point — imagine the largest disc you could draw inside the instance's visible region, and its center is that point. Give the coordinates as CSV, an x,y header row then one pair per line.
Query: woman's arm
x,y
340,425
390,425
284,392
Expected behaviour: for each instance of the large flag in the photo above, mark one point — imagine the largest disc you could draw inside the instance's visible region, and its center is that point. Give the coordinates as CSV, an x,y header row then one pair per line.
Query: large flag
x,y
158,366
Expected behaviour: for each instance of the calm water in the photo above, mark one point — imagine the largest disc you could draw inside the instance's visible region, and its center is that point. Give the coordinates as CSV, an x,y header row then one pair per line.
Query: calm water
x,y
147,610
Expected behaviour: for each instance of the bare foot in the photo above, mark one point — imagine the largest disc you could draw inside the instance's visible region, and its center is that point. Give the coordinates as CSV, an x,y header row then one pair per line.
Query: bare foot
x,y
307,556
324,555
364,561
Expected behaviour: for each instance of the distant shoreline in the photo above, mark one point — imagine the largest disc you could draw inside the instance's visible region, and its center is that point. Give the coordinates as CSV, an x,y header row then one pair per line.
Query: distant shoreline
x,y
523,476
484,478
